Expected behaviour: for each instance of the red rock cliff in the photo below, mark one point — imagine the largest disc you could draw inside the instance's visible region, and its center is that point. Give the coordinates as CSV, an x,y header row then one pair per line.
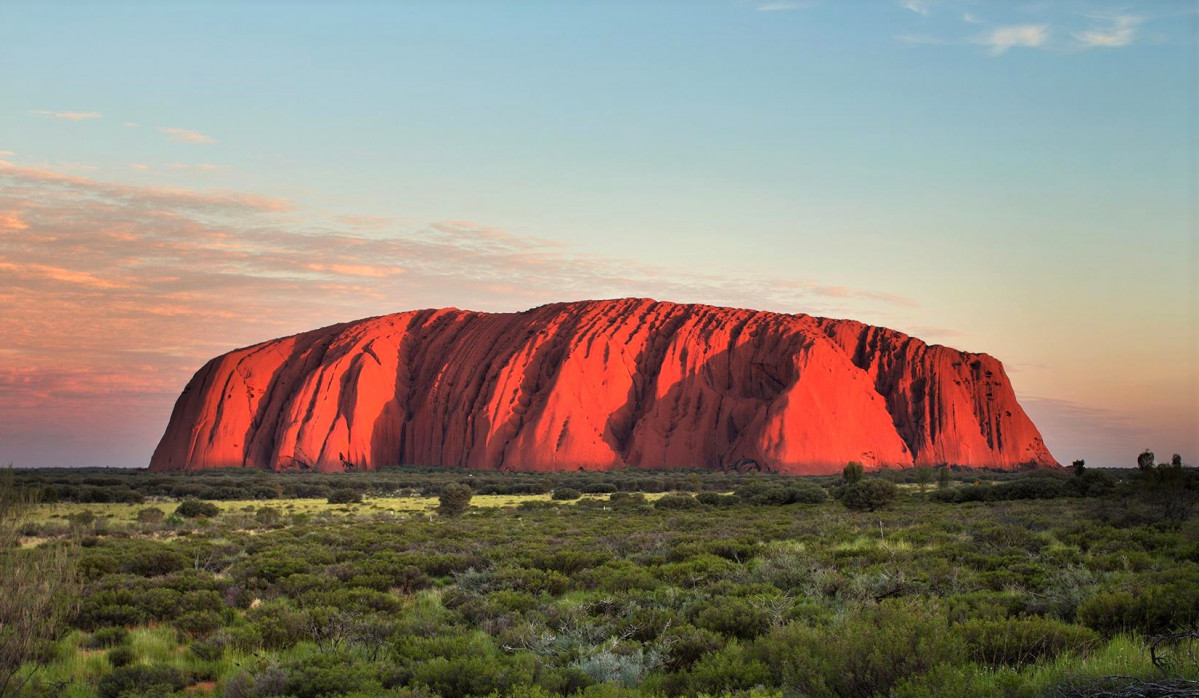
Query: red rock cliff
x,y
595,385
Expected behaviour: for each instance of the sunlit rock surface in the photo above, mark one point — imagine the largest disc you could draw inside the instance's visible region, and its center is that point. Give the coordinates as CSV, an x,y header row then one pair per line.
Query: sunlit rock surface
x,y
597,385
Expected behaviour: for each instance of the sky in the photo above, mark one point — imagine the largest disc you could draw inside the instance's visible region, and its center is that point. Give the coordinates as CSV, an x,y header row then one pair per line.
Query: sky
x,y
180,179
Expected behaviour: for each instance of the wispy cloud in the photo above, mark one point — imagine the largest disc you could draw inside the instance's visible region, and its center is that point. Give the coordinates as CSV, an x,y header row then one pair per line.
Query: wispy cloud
x,y
920,7
1112,32
781,6
183,135
67,115
131,124
969,18
1000,39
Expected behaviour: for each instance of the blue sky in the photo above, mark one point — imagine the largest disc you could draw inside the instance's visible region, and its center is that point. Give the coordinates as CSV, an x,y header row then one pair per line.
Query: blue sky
x,y
1015,178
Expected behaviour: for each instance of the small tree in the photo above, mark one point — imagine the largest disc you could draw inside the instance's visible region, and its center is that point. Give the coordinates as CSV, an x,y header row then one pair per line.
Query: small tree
x,y
924,477
943,477
1145,460
455,499
852,473
868,495
1167,487
1078,466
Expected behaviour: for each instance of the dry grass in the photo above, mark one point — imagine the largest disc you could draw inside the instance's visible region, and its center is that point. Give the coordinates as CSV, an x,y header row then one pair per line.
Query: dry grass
x,y
121,514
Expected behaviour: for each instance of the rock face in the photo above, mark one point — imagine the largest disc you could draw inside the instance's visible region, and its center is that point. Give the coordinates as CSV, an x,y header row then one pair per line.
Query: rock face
x,y
596,385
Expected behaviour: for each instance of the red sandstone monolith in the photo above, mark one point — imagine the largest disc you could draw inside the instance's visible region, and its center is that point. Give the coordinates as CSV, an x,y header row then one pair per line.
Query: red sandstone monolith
x,y
597,385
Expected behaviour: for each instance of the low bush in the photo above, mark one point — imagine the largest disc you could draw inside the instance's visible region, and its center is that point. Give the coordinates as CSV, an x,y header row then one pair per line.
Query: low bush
x,y
866,654
195,508
121,656
1016,642
345,496
1150,609
141,680
677,501
868,495
267,516
107,637
152,515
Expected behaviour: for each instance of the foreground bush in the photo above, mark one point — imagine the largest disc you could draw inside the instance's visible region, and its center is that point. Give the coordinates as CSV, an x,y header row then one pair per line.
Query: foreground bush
x,y
141,680
1150,609
867,654
1016,642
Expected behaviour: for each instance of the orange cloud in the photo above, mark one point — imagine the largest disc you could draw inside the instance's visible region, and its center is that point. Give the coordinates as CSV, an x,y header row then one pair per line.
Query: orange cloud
x,y
58,274
364,270
12,221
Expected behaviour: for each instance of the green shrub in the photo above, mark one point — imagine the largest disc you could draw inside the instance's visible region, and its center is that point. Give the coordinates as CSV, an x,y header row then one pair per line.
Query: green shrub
x,y
476,675
677,501
627,499
152,515
279,625
198,623
141,680
455,499
107,637
733,617
687,644
866,654
210,649
345,496
155,563
195,508
565,494
121,656
776,494
325,675
1016,642
110,607
868,495
728,669
267,516
1150,609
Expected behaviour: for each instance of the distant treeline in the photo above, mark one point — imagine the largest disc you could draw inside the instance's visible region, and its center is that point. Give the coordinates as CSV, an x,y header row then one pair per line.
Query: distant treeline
x,y
945,484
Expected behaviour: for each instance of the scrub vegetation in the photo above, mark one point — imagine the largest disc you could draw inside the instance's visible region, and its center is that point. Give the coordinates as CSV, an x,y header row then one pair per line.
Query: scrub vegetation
x,y
434,582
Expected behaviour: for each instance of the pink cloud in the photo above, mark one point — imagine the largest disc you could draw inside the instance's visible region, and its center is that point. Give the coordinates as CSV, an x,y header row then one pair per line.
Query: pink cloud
x,y
183,135
120,290
11,221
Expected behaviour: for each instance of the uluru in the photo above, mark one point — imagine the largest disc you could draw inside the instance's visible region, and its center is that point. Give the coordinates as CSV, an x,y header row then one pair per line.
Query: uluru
x,y
598,385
